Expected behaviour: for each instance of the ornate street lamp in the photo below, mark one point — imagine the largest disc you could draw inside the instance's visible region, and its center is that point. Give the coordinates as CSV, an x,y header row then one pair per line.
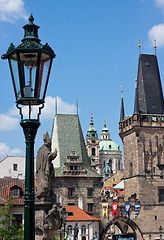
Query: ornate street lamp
x,y
64,217
30,65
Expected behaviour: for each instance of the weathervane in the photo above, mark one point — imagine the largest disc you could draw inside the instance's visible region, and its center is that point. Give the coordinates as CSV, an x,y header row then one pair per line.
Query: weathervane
x,y
155,46
139,45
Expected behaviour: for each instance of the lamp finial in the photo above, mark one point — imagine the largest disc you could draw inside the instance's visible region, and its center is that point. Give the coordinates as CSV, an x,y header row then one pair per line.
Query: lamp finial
x,y
31,19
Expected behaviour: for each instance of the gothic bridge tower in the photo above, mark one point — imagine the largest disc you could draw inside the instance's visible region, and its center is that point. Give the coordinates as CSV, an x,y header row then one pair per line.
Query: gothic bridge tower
x,y
143,143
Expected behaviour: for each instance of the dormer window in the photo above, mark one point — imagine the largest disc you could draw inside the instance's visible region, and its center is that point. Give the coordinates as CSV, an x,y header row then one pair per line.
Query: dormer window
x,y
15,192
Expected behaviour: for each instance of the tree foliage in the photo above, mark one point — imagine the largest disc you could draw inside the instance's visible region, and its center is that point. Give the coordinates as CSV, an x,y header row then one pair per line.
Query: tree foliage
x,y
7,230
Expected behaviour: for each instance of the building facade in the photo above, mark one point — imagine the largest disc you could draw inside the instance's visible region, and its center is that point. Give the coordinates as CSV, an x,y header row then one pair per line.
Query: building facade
x,y
75,183
143,143
12,166
103,151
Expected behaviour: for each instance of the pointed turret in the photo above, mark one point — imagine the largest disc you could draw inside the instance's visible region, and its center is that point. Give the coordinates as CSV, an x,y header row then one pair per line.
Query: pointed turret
x,y
122,112
149,90
92,132
136,108
105,132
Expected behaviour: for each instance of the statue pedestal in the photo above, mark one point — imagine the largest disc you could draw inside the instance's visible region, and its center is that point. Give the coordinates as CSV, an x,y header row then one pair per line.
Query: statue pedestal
x,y
47,219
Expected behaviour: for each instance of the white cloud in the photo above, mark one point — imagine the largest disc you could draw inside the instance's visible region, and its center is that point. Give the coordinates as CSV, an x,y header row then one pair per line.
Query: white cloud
x,y
12,10
8,123
13,111
157,32
62,107
5,150
11,119
159,3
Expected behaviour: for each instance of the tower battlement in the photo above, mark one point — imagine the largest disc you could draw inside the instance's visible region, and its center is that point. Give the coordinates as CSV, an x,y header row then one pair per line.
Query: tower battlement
x,y
138,121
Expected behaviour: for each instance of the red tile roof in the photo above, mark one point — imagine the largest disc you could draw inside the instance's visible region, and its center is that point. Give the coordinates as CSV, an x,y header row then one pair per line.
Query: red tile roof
x,y
78,214
6,184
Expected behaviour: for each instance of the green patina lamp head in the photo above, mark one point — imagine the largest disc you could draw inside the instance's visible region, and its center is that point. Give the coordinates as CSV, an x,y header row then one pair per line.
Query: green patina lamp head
x,y
30,65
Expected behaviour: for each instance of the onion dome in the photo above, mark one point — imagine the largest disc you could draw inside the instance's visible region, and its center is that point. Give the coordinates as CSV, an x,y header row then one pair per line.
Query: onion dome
x,y
107,171
105,142
92,132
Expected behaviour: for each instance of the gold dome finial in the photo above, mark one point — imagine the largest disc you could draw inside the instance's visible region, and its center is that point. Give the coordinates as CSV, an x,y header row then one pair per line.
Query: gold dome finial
x,y
121,89
104,121
155,46
139,45
91,115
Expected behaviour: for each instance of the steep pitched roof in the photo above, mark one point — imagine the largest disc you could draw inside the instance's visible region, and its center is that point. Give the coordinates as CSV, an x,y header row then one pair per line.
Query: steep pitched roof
x,y
149,90
67,136
77,214
122,112
6,184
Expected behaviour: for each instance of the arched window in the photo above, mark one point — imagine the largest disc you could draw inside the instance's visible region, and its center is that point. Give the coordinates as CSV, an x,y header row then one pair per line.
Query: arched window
x,y
83,237
93,151
69,229
83,229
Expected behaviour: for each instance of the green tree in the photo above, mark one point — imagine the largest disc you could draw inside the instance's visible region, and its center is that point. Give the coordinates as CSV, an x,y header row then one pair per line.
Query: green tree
x,y
7,230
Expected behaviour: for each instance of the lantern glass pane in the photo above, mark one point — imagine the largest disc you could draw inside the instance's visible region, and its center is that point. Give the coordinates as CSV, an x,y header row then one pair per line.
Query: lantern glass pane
x,y
15,75
28,66
43,74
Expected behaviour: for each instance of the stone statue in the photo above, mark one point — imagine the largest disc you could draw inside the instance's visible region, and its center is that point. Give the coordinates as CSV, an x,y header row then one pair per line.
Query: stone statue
x,y
44,168
76,231
47,224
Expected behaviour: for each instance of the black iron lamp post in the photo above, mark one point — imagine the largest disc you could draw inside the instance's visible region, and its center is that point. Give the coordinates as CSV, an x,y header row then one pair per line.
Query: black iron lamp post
x,y
160,231
30,65
64,217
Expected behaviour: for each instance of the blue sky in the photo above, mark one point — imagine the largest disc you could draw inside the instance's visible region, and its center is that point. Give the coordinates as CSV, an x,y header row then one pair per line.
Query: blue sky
x,y
96,43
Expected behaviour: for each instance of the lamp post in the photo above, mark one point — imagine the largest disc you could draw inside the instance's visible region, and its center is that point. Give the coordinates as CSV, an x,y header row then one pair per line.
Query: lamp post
x,y
64,217
30,65
160,231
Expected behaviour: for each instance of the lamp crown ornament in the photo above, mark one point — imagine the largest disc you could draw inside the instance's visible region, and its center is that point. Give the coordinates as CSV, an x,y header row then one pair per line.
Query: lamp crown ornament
x,y
30,65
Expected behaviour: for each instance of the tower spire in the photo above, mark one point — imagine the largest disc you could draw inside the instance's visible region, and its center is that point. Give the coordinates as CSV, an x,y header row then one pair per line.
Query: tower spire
x,y
136,107
92,132
122,112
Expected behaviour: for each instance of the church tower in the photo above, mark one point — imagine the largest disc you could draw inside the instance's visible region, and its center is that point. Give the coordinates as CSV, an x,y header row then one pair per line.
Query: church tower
x,y
109,152
92,146
143,143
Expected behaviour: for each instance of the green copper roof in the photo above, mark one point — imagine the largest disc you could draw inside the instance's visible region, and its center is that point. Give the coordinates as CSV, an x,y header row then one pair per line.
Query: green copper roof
x,y
108,145
92,133
67,136
107,170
